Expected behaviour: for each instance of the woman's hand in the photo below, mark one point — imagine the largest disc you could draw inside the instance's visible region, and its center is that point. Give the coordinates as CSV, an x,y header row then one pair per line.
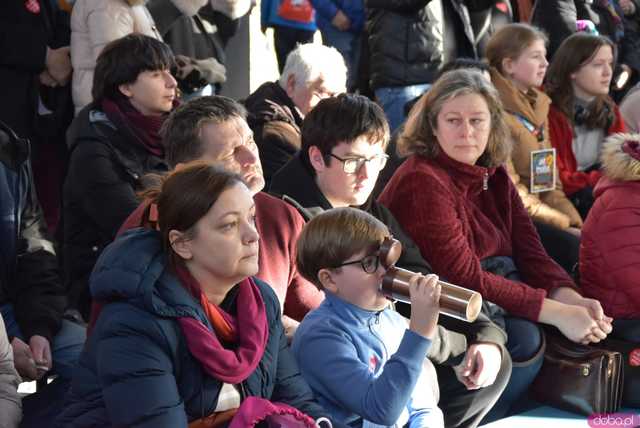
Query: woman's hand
x,y
480,366
577,325
425,304
571,297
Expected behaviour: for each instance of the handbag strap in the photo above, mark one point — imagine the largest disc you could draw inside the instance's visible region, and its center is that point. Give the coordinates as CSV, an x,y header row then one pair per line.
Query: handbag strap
x,y
219,53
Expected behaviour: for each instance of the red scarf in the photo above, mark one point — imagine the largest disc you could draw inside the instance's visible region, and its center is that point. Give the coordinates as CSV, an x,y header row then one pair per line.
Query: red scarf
x,y
248,331
145,130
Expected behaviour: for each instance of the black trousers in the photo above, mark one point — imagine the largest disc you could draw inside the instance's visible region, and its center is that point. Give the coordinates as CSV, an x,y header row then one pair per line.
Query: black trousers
x,y
563,247
465,408
286,39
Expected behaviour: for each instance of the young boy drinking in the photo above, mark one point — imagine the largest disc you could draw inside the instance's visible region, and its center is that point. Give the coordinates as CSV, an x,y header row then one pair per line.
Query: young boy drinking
x,y
367,367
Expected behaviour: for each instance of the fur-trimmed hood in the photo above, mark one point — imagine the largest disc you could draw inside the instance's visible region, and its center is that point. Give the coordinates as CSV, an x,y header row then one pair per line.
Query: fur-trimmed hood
x,y
620,162
621,157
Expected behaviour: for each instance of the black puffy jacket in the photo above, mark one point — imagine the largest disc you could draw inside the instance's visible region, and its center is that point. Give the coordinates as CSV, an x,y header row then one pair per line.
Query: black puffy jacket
x,y
106,168
407,37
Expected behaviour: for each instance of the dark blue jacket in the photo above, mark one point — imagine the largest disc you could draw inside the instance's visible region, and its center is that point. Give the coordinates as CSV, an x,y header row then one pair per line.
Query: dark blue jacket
x,y
29,277
136,369
327,9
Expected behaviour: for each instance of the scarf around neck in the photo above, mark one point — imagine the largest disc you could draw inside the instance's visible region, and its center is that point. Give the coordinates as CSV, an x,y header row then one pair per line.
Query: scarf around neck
x,y
144,130
247,331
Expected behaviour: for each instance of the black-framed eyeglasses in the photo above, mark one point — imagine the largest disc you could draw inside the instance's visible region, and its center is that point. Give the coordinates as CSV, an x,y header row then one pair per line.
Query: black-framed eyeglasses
x,y
369,263
353,165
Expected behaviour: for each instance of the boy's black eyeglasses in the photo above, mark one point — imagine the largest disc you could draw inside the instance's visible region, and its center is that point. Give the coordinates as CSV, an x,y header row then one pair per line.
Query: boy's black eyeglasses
x,y
369,263
353,165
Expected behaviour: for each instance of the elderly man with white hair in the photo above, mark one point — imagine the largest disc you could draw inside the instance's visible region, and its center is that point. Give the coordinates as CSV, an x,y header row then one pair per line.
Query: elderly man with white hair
x,y
276,109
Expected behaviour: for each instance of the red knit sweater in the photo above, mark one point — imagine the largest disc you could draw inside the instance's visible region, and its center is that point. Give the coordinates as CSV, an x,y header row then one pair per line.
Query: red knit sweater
x,y
278,225
442,205
561,137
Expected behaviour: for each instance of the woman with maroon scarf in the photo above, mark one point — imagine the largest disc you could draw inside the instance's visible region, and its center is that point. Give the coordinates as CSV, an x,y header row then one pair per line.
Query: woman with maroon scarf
x,y
189,337
113,142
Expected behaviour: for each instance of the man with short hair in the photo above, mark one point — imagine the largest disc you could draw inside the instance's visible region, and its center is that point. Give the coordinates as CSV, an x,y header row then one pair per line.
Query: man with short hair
x,y
276,109
344,140
214,129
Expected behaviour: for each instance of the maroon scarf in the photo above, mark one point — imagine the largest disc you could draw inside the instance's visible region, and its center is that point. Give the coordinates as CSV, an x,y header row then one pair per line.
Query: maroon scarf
x,y
145,130
249,328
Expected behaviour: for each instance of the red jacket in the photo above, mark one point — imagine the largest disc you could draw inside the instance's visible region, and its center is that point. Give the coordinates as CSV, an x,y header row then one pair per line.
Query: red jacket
x,y
278,225
561,136
610,247
443,207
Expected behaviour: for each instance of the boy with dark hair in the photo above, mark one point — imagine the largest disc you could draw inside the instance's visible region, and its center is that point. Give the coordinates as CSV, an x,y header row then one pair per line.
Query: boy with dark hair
x,y
377,373
343,150
123,60
113,143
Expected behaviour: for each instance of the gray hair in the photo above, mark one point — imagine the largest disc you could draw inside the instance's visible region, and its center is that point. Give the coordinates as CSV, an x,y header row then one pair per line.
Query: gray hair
x,y
308,62
418,136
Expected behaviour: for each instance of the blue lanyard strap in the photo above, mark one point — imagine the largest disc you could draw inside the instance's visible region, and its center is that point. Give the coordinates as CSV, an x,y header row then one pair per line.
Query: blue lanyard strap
x,y
537,131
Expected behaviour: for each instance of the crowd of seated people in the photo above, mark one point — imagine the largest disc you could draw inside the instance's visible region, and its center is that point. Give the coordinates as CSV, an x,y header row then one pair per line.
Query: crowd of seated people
x,y
217,263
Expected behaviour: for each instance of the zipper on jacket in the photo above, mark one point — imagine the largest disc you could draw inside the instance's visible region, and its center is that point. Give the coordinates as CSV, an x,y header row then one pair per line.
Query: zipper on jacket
x,y
485,181
376,320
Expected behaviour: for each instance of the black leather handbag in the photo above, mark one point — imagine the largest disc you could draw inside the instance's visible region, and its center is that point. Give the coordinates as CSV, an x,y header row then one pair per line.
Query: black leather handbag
x,y
579,378
631,360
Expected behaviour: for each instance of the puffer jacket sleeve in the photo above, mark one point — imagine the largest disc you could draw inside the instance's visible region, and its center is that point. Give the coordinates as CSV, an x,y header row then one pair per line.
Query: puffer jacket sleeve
x,y
10,407
136,372
616,230
291,388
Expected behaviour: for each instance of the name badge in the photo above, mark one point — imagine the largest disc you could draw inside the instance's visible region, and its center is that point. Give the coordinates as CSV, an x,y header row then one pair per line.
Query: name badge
x,y
543,170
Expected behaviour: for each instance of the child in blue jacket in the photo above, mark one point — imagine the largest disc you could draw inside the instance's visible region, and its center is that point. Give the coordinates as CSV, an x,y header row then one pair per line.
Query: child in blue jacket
x,y
365,364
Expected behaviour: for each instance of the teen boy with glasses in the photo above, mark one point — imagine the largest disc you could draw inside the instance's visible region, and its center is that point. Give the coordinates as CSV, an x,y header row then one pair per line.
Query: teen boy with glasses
x,y
344,140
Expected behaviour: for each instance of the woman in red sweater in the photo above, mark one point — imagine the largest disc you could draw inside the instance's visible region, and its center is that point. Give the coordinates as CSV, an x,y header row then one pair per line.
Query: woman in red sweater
x,y
455,199
582,114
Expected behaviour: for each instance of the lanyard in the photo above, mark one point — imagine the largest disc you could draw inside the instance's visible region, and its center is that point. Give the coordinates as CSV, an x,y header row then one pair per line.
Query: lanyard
x,y
537,132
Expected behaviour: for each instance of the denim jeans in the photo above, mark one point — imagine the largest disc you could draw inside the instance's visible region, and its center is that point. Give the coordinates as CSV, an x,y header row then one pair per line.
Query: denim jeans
x,y
628,330
393,99
348,44
524,342
66,347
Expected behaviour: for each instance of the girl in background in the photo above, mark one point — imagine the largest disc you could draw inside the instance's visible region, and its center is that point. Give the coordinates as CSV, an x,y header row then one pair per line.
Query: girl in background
x,y
516,54
582,114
